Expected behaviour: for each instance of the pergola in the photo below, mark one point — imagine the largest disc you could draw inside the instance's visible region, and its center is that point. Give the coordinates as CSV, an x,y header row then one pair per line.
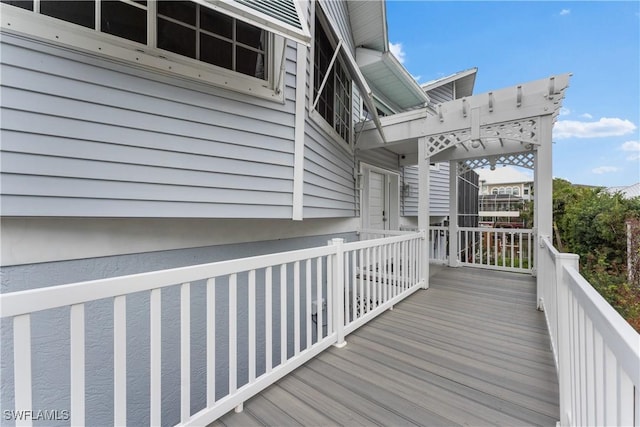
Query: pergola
x,y
511,126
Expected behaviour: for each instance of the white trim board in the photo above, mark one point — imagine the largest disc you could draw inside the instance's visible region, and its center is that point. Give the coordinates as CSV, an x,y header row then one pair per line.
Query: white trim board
x,y
35,240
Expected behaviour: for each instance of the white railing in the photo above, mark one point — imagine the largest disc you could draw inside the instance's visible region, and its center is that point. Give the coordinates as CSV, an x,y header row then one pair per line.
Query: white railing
x,y
509,249
597,353
308,300
438,244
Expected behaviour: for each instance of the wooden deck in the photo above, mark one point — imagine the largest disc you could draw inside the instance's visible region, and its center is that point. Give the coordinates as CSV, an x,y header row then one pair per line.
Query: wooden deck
x,y
471,350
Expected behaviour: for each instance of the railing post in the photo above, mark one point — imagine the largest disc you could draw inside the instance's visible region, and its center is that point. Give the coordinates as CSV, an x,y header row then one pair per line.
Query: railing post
x,y
424,258
338,292
563,336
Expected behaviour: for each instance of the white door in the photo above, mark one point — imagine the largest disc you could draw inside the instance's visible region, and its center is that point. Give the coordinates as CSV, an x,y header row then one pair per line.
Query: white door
x,y
378,210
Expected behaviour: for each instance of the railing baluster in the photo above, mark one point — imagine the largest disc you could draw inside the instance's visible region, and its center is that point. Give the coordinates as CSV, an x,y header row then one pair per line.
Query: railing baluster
x,y
211,342
368,280
512,242
233,333
185,352
252,325
77,364
22,366
354,284
268,318
330,286
377,276
155,356
588,370
598,375
345,290
611,389
296,308
283,313
307,282
319,303
362,273
385,272
625,399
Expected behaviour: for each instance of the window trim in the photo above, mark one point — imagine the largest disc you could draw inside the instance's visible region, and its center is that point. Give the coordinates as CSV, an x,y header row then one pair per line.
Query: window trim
x,y
315,116
35,25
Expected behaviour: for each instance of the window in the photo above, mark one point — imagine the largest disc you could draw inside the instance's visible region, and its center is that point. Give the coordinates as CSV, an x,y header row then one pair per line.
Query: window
x,y
494,191
182,27
516,191
334,101
526,191
501,190
509,190
191,30
124,19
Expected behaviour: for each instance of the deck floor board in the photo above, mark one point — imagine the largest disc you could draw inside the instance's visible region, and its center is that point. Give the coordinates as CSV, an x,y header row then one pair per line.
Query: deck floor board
x,y
471,350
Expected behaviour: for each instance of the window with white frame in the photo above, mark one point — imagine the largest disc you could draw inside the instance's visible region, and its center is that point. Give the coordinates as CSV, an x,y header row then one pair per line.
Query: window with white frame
x,y
182,27
334,97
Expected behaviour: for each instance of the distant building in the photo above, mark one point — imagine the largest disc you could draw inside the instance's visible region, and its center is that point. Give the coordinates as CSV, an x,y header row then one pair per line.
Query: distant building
x,y
628,192
503,197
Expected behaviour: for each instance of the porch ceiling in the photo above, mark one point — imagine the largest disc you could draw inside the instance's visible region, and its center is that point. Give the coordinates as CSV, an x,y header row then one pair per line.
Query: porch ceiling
x,y
504,121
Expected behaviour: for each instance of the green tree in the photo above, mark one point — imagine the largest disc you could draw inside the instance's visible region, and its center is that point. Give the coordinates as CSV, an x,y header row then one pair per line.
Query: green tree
x,y
592,224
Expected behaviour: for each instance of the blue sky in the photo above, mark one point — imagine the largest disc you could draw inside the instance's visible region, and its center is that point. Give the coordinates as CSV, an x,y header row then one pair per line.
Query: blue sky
x,y
597,135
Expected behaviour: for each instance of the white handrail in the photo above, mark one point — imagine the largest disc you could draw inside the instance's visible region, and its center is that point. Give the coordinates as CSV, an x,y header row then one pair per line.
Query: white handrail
x,y
597,353
349,283
509,249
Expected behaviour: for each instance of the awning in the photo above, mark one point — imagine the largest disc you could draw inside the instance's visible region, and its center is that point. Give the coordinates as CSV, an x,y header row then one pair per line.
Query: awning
x,y
390,79
282,17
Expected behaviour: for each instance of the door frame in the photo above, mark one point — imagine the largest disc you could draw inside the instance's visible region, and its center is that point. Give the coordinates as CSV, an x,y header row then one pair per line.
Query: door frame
x,y
392,195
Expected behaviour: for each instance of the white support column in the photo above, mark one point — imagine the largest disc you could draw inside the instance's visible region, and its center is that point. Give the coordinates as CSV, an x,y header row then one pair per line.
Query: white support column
x,y
453,214
423,204
543,182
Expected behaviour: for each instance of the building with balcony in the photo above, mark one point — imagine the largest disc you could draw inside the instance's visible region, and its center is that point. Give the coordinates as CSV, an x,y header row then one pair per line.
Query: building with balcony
x,y
201,210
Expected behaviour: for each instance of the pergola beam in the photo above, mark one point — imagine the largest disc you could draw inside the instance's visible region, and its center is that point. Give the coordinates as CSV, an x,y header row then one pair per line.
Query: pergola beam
x,y
471,114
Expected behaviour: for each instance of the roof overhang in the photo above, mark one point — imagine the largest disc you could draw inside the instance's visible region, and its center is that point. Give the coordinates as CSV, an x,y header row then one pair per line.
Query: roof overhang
x,y
390,79
489,124
367,19
282,17
464,82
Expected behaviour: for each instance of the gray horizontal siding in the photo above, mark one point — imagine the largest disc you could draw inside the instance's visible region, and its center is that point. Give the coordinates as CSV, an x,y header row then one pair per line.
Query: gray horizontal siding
x,y
438,196
439,191
409,202
329,187
381,157
83,136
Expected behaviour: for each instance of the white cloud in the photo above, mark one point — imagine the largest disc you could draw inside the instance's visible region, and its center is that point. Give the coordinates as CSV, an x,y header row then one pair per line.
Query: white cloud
x,y
604,127
565,12
586,116
565,111
630,146
506,174
398,52
604,169
417,78
633,148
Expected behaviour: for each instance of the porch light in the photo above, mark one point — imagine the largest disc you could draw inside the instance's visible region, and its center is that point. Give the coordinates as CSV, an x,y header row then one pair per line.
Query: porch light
x,y
475,143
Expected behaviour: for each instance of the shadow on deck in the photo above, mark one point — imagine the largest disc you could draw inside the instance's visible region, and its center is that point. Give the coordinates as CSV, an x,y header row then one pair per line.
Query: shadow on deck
x,y
471,350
